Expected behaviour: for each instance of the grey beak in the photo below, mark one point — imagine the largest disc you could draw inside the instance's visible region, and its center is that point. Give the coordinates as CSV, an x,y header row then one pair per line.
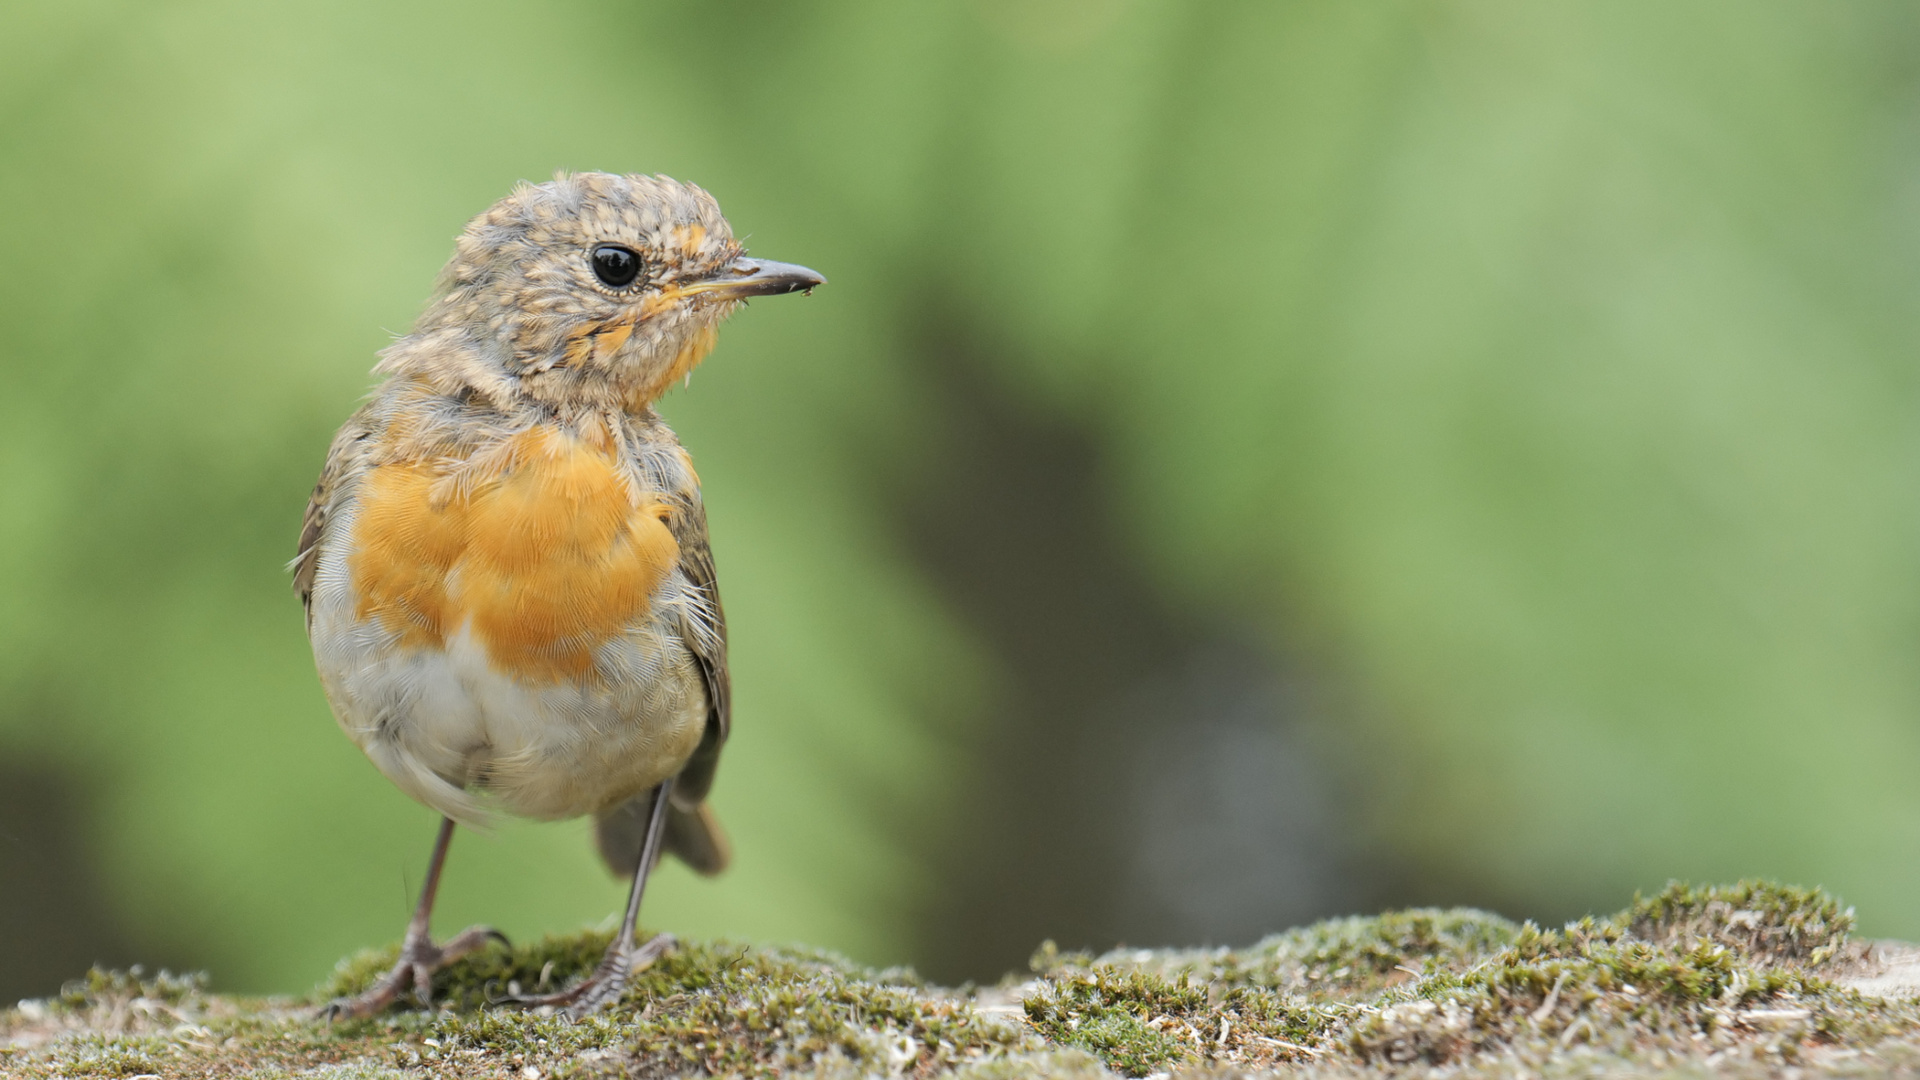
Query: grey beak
x,y
745,277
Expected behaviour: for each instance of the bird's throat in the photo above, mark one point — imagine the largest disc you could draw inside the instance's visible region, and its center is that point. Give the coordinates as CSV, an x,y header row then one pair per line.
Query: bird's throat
x,y
658,381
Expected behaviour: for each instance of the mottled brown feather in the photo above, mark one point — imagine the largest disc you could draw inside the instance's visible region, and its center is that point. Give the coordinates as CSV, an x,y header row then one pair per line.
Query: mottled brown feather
x,y
306,559
689,527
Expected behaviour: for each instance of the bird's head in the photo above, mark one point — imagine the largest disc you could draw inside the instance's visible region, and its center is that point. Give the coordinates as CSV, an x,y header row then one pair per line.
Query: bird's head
x,y
598,289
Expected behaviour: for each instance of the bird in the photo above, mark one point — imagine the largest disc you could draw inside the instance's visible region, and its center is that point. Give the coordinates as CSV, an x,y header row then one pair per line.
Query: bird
x,y
505,567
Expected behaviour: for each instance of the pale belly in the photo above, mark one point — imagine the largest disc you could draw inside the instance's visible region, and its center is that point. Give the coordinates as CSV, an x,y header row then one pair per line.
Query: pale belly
x,y
449,728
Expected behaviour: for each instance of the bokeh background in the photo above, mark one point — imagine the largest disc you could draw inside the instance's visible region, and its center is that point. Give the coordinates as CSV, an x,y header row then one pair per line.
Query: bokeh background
x,y
1254,461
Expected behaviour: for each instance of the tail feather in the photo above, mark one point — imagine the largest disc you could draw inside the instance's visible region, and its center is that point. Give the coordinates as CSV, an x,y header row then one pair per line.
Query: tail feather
x,y
692,834
696,838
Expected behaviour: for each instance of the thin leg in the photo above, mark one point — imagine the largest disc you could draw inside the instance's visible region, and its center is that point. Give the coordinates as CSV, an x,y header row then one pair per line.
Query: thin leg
x,y
609,980
419,956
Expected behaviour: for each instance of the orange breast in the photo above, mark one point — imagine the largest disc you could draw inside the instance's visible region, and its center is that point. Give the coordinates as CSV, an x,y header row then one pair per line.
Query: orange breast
x,y
545,561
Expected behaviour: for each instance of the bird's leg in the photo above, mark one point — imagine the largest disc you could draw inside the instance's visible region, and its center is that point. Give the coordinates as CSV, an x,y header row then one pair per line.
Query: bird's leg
x,y
419,956
623,958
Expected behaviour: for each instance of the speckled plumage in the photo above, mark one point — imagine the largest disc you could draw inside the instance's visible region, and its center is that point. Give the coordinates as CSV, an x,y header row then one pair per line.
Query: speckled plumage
x,y
504,565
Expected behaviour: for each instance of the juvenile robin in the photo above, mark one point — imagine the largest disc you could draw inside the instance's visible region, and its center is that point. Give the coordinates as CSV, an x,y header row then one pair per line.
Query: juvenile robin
x,y
505,568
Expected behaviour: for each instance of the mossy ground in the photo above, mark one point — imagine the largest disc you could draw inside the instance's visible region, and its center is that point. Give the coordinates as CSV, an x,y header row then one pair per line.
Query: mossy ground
x,y
1743,980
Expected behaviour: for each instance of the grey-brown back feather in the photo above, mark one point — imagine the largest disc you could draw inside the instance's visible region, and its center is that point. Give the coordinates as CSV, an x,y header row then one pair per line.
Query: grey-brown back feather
x,y
689,526
306,559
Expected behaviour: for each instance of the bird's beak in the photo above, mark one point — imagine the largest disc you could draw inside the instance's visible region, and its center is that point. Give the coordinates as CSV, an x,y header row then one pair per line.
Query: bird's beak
x,y
744,277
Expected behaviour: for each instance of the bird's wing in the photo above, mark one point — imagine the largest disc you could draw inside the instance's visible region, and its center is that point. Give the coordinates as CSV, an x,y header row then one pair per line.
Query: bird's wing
x,y
313,524
705,633
691,831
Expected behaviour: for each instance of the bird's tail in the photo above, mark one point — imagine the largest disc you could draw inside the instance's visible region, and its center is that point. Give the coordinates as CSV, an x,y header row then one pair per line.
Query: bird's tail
x,y
692,833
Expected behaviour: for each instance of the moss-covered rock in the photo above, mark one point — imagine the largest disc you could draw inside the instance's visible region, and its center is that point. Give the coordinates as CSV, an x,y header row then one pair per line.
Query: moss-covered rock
x,y
1748,979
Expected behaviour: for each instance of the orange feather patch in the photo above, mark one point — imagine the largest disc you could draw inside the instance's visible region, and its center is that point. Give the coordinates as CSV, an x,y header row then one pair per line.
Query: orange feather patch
x,y
695,350
545,562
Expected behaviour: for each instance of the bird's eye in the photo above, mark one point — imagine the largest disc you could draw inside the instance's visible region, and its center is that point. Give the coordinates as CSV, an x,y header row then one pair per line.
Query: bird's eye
x,y
615,266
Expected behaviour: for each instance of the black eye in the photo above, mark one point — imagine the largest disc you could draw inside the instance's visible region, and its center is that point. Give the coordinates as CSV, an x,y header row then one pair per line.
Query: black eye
x,y
615,266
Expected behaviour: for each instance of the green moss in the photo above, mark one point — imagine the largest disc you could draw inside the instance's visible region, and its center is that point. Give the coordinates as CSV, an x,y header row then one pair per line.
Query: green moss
x,y
1689,969
1554,991
102,1055
763,1018
484,977
1052,1064
1122,1017
713,1007
1344,957
1722,979
1689,972
1766,922
1140,1022
1338,958
103,989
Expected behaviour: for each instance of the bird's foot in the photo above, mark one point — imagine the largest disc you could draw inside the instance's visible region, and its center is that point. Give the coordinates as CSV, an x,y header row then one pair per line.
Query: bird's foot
x,y
606,984
419,959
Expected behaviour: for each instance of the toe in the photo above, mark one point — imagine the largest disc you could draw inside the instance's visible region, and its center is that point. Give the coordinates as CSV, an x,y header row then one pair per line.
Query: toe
x,y
472,939
657,946
354,1008
423,985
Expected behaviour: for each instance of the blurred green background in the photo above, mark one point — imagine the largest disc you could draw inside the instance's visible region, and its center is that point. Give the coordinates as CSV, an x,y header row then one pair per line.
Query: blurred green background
x,y
1254,460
